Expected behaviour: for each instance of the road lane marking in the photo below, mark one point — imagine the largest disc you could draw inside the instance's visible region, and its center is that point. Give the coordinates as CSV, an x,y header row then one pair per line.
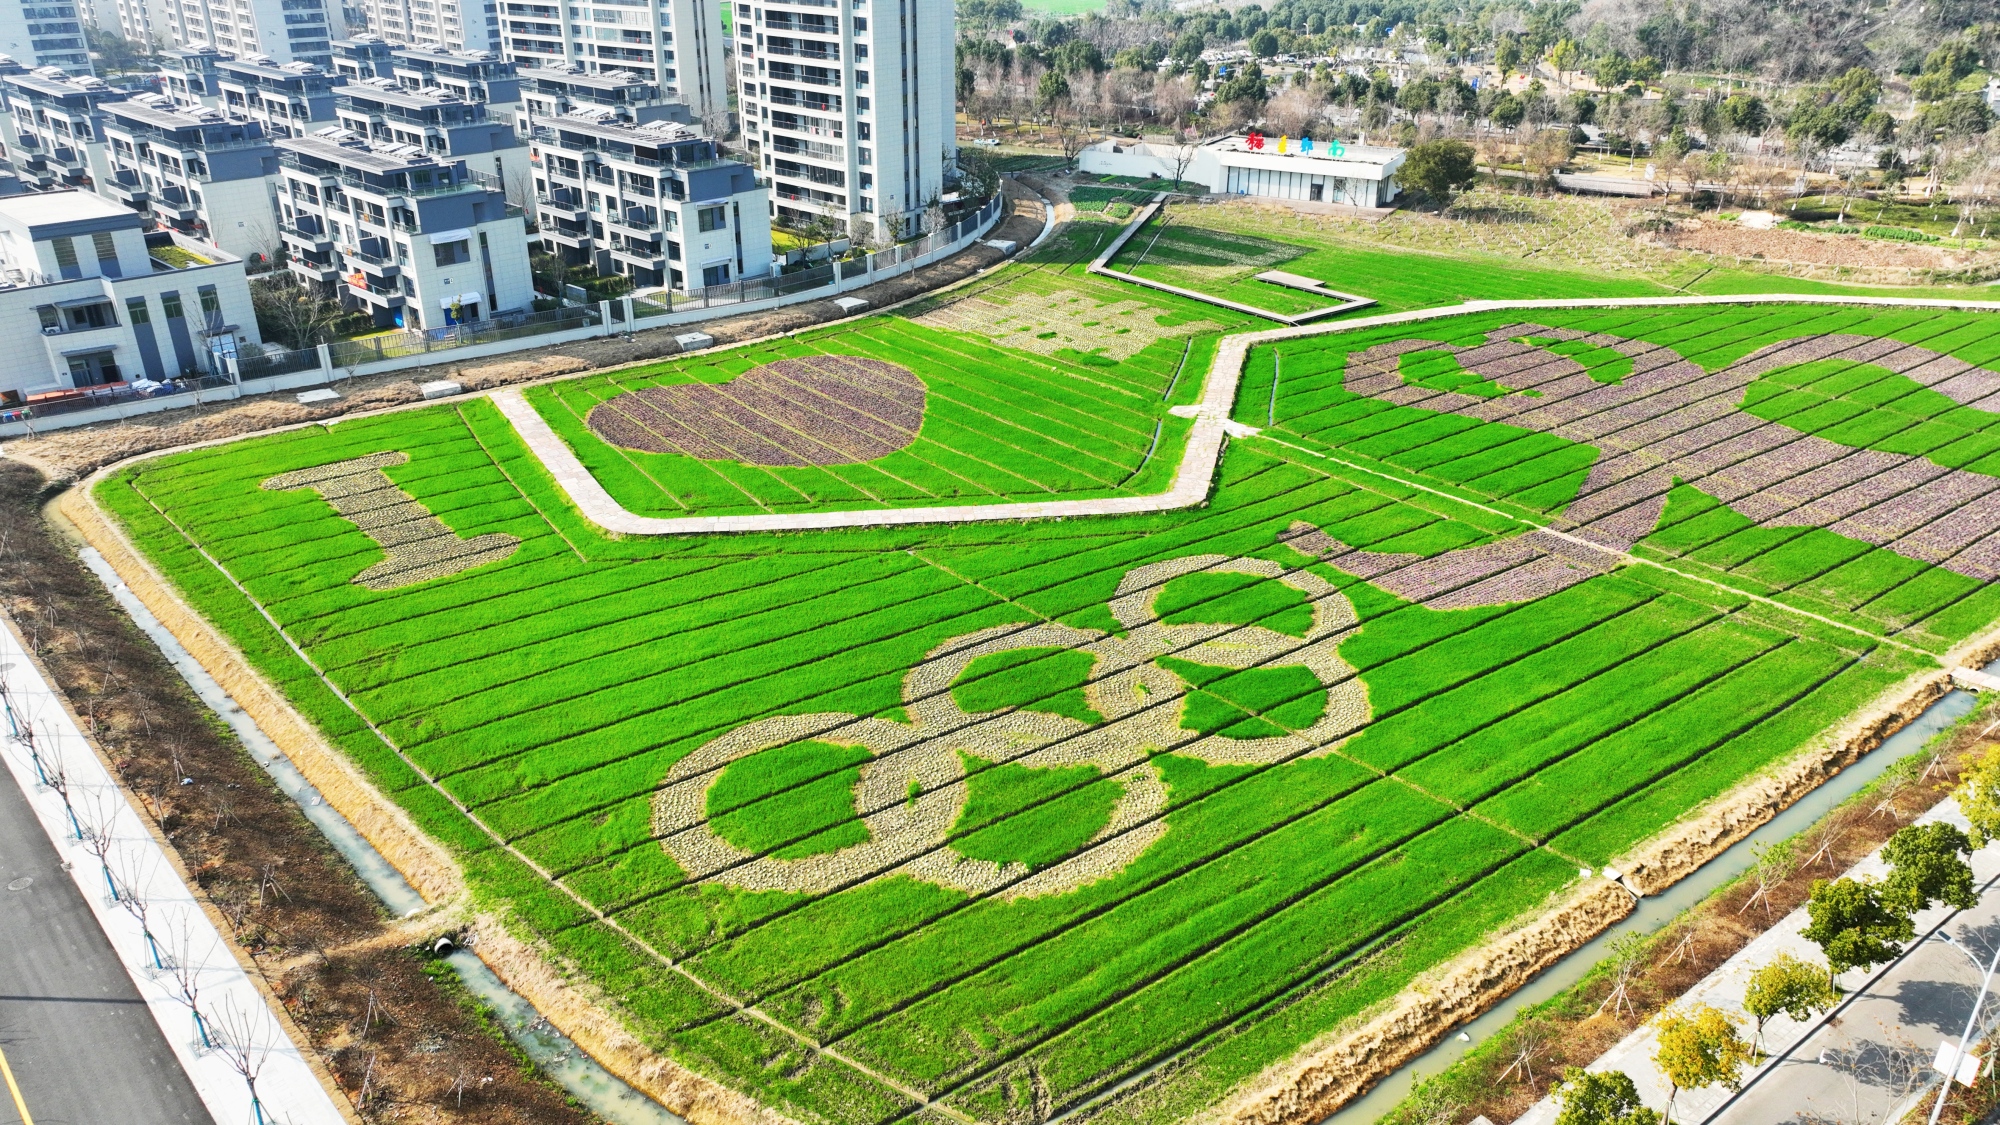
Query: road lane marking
x,y
20,1103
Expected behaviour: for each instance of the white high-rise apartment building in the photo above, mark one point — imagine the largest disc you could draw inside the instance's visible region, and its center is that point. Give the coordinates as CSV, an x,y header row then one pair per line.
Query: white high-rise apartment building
x,y
36,34
285,31
849,106
451,25
676,44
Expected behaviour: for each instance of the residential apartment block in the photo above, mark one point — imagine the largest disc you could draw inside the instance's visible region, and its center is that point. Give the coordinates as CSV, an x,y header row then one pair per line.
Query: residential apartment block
x,y
438,123
561,88
288,98
469,76
45,34
452,25
199,172
675,44
416,240
88,300
849,111
284,31
54,126
655,202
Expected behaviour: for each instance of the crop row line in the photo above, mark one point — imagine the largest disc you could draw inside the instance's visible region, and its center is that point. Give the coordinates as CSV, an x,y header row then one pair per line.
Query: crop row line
x,y
521,857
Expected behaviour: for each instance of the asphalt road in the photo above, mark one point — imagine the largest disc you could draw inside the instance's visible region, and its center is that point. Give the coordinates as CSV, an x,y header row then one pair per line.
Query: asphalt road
x,y
1865,1065
80,1042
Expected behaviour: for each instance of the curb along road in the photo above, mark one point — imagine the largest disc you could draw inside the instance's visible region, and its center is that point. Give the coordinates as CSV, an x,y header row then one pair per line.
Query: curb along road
x,y
176,930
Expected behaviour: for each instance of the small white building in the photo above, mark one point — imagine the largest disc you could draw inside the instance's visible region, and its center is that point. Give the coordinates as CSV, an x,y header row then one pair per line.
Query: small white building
x,y
1329,172
88,301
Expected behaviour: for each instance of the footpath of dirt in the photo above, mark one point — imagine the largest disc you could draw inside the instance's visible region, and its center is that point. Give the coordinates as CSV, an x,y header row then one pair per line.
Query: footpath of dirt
x,y
398,1035
1347,1061
65,455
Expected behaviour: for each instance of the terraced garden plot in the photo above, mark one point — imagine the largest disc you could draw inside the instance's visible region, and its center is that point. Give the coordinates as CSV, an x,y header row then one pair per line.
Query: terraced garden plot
x,y
1220,249
1003,815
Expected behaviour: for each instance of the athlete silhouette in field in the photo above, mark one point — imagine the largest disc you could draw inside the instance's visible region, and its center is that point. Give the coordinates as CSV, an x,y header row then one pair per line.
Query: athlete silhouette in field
x,y
1671,421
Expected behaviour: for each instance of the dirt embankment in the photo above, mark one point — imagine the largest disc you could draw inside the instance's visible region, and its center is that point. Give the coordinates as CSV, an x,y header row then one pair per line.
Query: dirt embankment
x,y
1866,256
65,455
309,928
1346,1063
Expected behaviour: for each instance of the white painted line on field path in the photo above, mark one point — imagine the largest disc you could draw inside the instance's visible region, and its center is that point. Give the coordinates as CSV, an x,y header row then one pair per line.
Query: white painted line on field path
x,y
175,929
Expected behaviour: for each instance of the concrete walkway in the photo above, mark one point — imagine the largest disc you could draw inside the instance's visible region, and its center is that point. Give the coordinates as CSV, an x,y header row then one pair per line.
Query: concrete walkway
x,y
1190,487
232,1007
1862,1062
1347,302
1191,479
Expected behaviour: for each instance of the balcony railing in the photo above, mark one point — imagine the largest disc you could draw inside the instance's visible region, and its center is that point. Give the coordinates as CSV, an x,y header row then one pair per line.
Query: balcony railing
x,y
824,104
784,21
817,52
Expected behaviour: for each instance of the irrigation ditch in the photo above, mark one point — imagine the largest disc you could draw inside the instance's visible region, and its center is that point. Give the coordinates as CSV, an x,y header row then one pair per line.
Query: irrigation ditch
x,y
1653,913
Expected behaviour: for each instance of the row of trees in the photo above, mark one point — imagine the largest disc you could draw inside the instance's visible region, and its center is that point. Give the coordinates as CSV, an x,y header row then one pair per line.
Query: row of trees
x,y
1856,923
180,947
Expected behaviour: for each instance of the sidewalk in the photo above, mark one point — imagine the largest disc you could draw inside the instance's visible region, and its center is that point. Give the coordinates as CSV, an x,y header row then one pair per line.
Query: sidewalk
x,y
176,945
1863,1061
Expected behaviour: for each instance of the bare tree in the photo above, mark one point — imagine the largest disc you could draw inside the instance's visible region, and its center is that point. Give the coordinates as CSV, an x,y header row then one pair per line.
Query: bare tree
x,y
244,1037
1625,953
185,964
98,811
134,869
1775,864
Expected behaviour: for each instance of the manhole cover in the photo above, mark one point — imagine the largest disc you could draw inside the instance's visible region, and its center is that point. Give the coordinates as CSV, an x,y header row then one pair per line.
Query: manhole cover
x,y
21,884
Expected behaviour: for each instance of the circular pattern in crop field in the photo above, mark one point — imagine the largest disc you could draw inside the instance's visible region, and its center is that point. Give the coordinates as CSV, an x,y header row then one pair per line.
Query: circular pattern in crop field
x,y
818,410
913,788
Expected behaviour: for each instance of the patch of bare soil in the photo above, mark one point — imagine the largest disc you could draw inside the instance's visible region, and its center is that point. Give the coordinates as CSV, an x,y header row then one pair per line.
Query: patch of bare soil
x,y
66,455
394,1028
1845,251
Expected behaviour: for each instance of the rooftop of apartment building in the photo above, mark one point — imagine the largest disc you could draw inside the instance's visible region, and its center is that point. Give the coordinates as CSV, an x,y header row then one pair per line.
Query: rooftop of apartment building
x,y
55,83
677,142
430,102
36,217
266,71
400,168
568,77
195,123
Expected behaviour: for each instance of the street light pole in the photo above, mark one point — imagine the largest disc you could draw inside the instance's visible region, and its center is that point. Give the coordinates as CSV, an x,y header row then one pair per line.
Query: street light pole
x,y
1964,1041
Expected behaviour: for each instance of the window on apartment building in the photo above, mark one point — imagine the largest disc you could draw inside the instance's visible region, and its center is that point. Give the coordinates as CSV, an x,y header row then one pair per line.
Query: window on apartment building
x,y
135,310
712,218
452,253
107,251
170,306
715,275
863,131
65,256
211,302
